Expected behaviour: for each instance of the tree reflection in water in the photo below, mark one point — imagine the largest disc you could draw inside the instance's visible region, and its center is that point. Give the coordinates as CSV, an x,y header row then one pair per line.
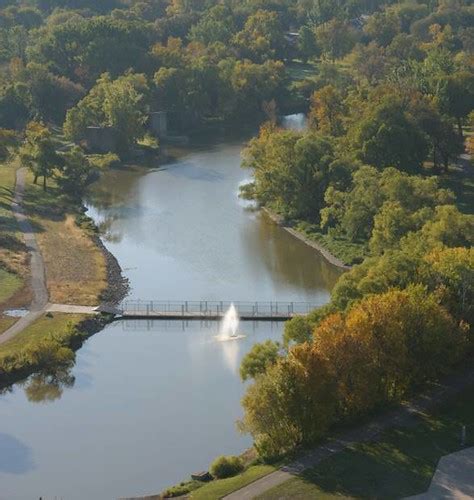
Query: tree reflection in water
x,y
45,387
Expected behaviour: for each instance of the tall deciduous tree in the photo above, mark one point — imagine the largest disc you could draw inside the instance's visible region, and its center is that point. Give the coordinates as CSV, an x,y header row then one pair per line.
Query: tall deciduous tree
x,y
388,136
38,152
119,103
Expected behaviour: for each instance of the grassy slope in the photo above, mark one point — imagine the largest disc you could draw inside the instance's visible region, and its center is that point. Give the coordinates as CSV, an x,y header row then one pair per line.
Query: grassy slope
x,y
6,322
9,284
13,258
58,324
218,488
400,464
75,266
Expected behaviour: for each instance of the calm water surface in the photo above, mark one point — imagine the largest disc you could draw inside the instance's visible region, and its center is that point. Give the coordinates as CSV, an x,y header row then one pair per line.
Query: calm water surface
x,y
149,402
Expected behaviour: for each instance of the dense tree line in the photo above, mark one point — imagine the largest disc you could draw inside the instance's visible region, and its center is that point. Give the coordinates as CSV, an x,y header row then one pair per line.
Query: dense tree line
x,y
387,107
389,87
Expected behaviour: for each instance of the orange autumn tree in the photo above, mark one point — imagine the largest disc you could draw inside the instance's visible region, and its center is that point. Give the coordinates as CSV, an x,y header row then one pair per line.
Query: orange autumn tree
x,y
387,344
371,355
292,403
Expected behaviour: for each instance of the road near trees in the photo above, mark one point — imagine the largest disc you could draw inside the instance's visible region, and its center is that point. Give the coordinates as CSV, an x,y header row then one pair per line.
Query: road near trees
x,y
370,431
37,271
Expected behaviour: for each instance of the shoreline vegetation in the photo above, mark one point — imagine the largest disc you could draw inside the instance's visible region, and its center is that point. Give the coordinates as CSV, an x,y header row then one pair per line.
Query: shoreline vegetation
x,y
439,418
79,271
280,221
389,90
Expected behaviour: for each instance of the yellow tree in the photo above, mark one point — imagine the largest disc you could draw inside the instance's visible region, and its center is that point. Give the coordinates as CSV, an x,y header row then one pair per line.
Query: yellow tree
x,y
327,111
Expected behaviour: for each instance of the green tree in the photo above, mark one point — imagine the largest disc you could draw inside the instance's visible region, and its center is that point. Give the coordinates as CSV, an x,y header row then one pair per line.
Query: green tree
x,y
458,96
216,25
262,37
38,152
335,38
75,172
120,103
291,171
8,141
449,227
382,27
307,45
389,136
298,330
259,358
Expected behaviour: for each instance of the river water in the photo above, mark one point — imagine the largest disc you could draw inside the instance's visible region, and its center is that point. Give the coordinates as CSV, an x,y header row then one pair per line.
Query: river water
x,y
147,403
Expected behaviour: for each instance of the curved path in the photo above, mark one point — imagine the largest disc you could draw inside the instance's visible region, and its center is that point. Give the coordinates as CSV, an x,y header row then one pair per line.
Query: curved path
x,y
37,273
367,432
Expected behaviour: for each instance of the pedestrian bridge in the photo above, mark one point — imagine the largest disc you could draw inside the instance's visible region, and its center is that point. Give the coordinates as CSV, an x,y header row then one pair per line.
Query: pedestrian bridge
x,y
209,310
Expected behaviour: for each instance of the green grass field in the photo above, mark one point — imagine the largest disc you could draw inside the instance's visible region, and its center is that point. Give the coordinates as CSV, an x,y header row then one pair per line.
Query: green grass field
x,y
221,487
400,464
13,267
9,284
58,324
6,322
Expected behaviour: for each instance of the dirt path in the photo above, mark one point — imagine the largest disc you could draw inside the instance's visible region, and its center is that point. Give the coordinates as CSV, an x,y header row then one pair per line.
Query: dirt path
x,y
368,432
37,272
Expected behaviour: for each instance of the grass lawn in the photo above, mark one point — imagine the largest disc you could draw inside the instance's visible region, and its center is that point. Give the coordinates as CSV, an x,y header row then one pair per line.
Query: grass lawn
x,y
298,70
400,464
348,252
6,322
13,256
75,266
218,488
58,324
9,284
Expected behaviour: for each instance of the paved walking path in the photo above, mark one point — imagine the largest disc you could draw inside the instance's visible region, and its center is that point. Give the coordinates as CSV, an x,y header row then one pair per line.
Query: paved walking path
x,y
367,432
453,478
37,273
39,304
71,309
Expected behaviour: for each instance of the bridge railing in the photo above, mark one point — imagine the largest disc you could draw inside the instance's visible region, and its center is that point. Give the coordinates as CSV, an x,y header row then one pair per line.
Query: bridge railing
x,y
209,308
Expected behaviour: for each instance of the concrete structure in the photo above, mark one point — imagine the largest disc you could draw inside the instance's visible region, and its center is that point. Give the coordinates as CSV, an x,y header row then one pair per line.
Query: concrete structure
x,y
158,123
453,478
211,310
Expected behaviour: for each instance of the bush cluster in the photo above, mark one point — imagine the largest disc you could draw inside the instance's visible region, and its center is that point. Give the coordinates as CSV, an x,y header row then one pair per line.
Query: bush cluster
x,y
226,466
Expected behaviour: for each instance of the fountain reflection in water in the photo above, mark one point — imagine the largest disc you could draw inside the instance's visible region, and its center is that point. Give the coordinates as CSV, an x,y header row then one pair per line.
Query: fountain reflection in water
x,y
230,325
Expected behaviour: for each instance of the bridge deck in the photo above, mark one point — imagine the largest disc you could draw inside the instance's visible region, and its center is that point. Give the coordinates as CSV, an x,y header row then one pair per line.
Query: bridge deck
x,y
213,310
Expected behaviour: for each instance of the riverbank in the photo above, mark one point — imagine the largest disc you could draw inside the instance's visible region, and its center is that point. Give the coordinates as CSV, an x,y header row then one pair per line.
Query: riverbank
x,y
427,426
332,259
47,344
75,269
14,259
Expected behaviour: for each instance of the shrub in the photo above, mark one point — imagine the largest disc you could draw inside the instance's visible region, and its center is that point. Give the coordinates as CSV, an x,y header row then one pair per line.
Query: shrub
x,y
226,466
181,489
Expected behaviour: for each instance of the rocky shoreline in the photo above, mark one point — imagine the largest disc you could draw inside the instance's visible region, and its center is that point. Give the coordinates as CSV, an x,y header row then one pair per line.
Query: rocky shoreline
x,y
280,221
117,285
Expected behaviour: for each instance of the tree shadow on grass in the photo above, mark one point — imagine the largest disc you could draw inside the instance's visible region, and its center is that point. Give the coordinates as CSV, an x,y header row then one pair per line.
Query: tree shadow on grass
x,y
6,193
12,243
49,205
401,464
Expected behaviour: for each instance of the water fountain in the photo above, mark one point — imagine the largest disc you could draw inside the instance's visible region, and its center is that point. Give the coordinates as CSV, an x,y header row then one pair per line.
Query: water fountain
x,y
229,325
